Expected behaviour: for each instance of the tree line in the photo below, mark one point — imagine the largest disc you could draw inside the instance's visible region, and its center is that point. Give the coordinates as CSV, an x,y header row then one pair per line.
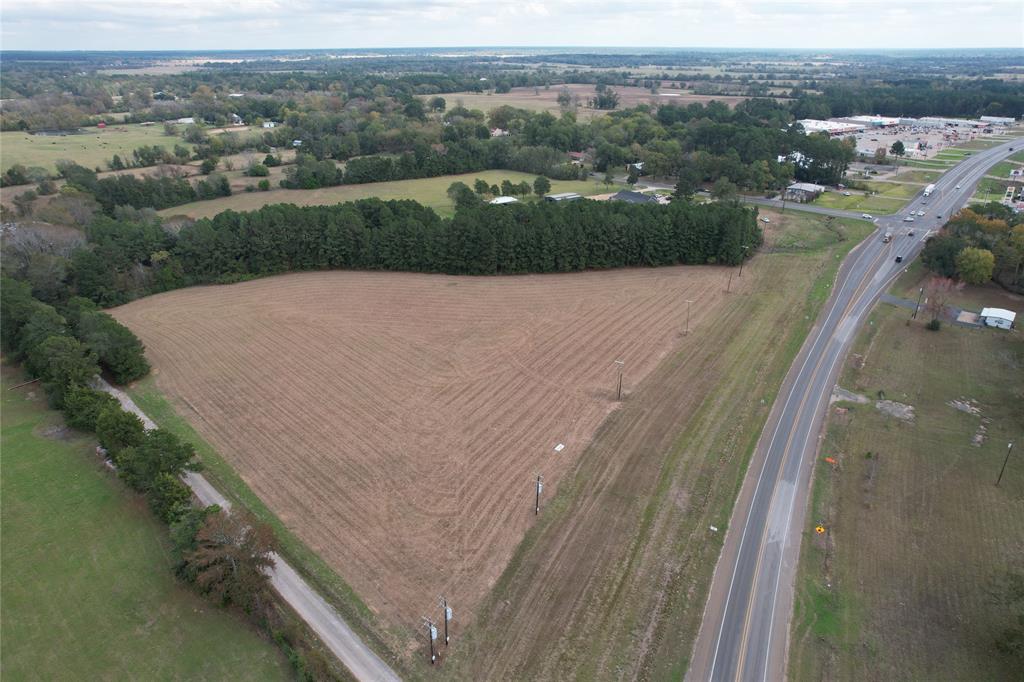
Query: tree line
x,y
979,244
133,257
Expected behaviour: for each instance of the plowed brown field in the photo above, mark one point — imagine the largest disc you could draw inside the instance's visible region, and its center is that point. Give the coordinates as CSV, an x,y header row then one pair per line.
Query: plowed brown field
x,y
395,422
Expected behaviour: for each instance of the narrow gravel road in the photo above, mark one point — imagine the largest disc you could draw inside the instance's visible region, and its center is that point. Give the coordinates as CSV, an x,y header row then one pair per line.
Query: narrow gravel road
x,y
311,607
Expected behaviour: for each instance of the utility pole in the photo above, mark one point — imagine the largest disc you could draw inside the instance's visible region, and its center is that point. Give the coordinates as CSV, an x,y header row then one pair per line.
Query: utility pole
x,y
540,487
728,285
1009,447
745,248
621,364
431,636
447,617
920,295
688,304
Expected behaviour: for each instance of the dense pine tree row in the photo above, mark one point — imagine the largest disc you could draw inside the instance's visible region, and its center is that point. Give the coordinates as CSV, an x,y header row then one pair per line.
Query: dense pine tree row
x,y
480,240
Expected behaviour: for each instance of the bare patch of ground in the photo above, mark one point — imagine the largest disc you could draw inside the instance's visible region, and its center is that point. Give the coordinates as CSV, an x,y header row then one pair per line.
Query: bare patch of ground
x,y
895,409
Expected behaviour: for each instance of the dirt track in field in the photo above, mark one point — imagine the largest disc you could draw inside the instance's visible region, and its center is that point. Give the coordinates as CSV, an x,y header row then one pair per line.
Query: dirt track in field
x,y
396,421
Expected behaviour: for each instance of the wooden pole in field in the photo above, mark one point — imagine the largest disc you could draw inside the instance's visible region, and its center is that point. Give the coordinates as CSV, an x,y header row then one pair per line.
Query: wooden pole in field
x,y
621,364
1009,447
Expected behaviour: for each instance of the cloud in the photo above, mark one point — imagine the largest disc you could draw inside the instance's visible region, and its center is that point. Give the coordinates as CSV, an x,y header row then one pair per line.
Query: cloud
x,y
290,24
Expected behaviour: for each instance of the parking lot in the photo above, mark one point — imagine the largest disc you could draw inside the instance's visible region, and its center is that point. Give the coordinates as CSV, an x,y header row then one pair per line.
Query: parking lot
x,y
933,139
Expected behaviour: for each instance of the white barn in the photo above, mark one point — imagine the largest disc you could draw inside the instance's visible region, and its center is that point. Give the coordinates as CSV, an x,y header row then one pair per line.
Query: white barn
x,y
998,317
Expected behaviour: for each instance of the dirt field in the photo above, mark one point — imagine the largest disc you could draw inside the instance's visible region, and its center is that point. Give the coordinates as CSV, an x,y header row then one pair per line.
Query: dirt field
x,y
396,421
547,100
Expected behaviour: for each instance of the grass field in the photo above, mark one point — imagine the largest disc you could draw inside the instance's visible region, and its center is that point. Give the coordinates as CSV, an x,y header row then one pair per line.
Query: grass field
x,y
894,190
932,164
953,154
992,186
979,143
430,192
860,202
612,581
93,148
921,176
547,100
87,588
1003,168
918,537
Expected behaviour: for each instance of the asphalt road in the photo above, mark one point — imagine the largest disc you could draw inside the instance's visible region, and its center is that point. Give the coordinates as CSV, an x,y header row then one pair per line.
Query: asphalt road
x,y
745,630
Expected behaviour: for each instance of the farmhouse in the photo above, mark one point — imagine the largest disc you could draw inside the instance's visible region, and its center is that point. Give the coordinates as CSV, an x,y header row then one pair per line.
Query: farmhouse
x,y
803,192
577,158
187,120
563,196
998,317
497,201
634,197
270,124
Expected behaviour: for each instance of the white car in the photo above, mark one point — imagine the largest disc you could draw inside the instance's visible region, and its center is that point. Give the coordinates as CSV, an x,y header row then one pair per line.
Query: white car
x,y
909,219
958,186
765,220
867,216
920,213
847,194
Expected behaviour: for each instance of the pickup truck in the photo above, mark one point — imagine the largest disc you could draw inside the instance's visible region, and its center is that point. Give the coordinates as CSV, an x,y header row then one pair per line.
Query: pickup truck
x,y
887,237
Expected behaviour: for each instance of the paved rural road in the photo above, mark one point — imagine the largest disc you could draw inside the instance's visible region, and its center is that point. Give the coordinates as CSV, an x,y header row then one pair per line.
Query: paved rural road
x,y
745,630
311,607
775,203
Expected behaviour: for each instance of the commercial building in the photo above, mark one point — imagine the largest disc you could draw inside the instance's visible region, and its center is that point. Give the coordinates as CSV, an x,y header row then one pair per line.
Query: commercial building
x,y
998,120
833,128
938,122
874,121
803,192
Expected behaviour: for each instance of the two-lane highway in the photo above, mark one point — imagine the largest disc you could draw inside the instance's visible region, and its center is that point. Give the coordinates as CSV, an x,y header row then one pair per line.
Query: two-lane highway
x,y
745,630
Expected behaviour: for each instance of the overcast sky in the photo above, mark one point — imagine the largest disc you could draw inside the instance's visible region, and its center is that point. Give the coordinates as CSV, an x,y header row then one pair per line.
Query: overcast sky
x,y
290,24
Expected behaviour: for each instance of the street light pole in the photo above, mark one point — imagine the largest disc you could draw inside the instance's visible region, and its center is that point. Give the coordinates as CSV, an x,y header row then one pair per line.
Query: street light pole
x,y
1009,447
540,486
920,295
447,613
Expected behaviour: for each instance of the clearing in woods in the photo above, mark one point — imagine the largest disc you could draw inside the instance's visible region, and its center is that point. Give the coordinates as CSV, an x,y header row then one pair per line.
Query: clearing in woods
x,y
91,148
540,99
906,582
396,421
431,192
